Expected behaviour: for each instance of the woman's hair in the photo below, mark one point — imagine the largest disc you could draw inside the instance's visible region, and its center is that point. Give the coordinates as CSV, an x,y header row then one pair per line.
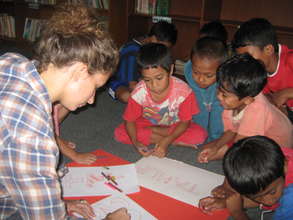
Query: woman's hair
x,y
253,163
73,34
154,55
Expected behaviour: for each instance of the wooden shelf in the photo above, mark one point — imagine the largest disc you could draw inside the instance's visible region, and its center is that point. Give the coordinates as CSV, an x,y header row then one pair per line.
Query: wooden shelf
x,y
187,15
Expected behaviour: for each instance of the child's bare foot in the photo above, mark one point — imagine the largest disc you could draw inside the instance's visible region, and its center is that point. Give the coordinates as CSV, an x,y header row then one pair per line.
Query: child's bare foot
x,y
159,151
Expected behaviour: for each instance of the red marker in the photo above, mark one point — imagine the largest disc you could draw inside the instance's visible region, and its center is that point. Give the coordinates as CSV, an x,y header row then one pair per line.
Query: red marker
x,y
112,186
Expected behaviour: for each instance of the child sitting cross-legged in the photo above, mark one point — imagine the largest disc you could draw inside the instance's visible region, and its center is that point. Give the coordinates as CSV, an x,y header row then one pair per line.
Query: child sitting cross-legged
x,y
160,108
247,112
258,174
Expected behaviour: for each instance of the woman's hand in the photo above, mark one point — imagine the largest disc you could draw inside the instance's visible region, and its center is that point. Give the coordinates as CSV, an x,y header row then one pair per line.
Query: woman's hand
x,y
81,207
119,214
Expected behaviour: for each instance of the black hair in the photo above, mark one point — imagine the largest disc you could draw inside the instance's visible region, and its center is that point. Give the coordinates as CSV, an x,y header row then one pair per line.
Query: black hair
x,y
164,31
253,163
210,48
242,75
256,32
154,55
214,29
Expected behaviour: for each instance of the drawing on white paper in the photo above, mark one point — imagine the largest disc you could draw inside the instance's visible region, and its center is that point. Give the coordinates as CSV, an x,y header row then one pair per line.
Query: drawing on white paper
x,y
96,181
119,200
176,179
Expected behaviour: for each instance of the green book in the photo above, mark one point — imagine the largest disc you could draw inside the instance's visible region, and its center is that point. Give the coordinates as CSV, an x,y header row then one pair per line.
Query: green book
x,y
163,7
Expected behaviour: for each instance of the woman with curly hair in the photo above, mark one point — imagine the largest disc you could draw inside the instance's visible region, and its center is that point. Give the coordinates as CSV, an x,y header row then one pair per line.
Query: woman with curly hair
x,y
73,58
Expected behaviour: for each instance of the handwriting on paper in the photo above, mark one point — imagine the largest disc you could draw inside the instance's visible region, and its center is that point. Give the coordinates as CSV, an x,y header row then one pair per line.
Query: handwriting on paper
x,y
176,179
89,181
166,178
116,201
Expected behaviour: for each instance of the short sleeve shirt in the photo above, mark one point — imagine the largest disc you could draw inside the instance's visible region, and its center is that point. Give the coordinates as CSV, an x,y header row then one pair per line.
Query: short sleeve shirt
x,y
179,104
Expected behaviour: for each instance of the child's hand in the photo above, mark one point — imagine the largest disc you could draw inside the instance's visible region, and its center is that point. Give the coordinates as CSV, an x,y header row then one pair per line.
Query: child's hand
x,y
65,143
206,154
132,85
80,207
145,151
142,149
84,158
210,204
119,214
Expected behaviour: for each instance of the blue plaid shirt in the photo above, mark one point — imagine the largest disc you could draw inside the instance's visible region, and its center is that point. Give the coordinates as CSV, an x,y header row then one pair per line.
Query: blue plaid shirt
x,y
28,151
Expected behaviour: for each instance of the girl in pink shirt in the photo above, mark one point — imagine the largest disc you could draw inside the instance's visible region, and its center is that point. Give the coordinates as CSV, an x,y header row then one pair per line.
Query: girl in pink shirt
x,y
247,111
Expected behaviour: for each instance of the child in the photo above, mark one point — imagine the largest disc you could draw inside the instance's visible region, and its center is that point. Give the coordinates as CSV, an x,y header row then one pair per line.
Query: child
x,y
214,29
247,112
67,147
258,174
160,107
127,75
206,55
73,59
258,37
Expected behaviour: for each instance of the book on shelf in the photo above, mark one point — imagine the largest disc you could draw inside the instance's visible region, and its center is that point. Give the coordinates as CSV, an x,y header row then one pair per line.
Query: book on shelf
x,y
179,67
32,28
162,7
100,4
152,7
7,26
42,2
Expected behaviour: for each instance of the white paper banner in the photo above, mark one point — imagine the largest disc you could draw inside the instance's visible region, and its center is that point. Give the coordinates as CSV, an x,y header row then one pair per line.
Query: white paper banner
x,y
176,179
90,181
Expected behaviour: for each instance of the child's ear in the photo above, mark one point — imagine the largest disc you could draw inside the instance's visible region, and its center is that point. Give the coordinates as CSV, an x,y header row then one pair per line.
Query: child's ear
x,y
248,100
285,166
269,49
172,69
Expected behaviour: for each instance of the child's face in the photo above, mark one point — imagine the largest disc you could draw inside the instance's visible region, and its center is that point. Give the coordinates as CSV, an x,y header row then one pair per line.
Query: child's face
x,y
204,71
271,194
230,101
156,80
256,52
81,89
153,39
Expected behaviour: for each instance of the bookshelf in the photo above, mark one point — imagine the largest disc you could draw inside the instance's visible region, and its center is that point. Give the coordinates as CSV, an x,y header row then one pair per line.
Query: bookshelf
x,y
190,15
27,12
125,21
187,15
279,14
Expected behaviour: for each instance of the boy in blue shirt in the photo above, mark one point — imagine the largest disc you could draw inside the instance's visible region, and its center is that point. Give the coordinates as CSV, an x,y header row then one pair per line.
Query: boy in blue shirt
x,y
206,55
127,75
258,173
214,29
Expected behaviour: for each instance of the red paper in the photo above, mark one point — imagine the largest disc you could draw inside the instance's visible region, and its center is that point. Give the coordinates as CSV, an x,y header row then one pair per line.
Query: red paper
x,y
159,205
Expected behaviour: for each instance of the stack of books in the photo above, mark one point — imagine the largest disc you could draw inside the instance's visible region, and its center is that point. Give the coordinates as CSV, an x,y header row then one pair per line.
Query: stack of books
x,y
179,67
32,28
152,7
7,26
